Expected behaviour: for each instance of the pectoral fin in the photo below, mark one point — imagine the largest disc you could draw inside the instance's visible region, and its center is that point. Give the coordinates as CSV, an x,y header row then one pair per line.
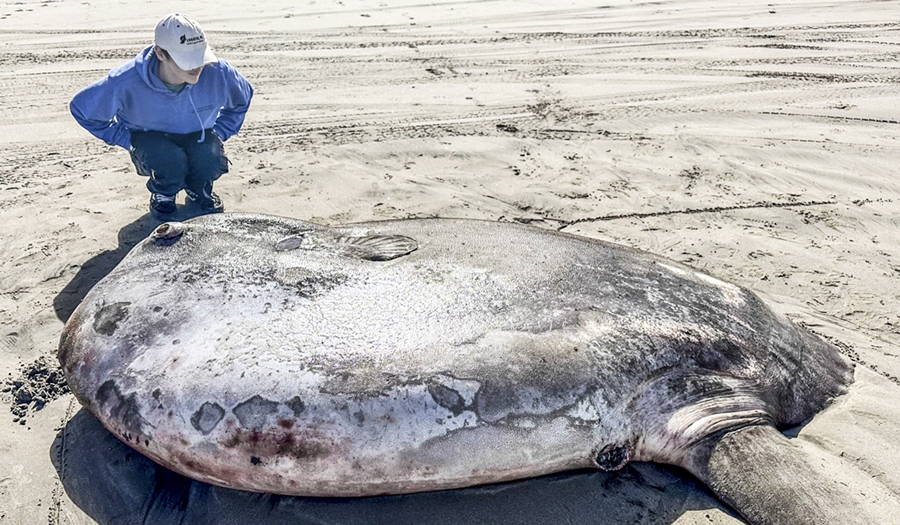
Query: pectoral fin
x,y
378,247
370,247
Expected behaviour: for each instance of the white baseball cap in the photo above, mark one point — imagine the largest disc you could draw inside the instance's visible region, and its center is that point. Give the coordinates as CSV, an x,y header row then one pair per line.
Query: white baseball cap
x,y
184,40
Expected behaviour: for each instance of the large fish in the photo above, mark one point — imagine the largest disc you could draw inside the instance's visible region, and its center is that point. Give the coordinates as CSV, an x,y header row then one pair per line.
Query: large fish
x,y
276,355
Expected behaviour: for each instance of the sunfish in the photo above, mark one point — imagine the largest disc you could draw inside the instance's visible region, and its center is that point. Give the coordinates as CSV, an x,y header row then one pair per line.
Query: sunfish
x,y
277,355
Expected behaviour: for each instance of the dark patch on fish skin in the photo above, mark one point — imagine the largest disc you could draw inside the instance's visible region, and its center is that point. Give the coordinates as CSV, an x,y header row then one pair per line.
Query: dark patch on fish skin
x,y
123,410
68,340
207,417
690,387
191,464
718,354
492,400
254,412
255,460
315,286
181,461
613,456
296,405
277,442
279,227
107,319
447,398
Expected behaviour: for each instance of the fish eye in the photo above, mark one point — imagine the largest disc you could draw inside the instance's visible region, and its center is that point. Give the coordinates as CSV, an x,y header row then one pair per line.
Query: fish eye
x,y
168,231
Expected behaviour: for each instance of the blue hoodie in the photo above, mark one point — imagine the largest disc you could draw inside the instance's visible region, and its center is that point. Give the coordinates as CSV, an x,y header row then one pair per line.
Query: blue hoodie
x,y
132,97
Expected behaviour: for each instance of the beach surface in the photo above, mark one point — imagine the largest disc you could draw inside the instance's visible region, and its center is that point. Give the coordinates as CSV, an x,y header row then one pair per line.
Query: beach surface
x,y
755,141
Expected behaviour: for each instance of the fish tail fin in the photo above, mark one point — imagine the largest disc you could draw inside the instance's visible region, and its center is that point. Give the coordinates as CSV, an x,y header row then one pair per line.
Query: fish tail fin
x,y
772,480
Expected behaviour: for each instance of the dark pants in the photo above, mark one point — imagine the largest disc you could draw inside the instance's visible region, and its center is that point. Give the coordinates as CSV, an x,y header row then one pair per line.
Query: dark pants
x,y
175,162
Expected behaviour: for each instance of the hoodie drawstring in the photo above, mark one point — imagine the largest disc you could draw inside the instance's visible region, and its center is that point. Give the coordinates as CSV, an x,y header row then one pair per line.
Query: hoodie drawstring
x,y
202,129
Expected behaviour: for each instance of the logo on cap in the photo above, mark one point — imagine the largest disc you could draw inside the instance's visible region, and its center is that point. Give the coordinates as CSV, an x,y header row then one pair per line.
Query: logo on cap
x,y
192,40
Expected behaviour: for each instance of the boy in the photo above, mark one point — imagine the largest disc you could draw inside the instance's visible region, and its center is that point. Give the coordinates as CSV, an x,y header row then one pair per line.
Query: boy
x,y
171,106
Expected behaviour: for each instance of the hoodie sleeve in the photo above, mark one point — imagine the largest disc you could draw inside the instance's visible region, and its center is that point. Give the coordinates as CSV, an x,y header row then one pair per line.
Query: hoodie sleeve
x,y
231,116
95,108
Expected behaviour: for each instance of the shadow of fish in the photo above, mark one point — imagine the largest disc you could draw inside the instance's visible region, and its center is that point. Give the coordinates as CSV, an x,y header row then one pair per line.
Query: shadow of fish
x,y
277,355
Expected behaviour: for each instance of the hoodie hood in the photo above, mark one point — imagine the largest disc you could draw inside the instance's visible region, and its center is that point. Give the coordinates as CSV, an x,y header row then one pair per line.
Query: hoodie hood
x,y
146,64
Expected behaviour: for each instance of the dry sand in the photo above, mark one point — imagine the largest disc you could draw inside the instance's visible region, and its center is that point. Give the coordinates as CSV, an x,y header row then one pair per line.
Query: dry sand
x,y
756,141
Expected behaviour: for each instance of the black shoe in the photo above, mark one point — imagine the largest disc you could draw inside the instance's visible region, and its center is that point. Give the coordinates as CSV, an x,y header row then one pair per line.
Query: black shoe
x,y
211,205
162,207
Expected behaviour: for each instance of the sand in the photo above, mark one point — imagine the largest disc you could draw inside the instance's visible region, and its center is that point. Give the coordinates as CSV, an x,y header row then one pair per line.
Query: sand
x,y
755,141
